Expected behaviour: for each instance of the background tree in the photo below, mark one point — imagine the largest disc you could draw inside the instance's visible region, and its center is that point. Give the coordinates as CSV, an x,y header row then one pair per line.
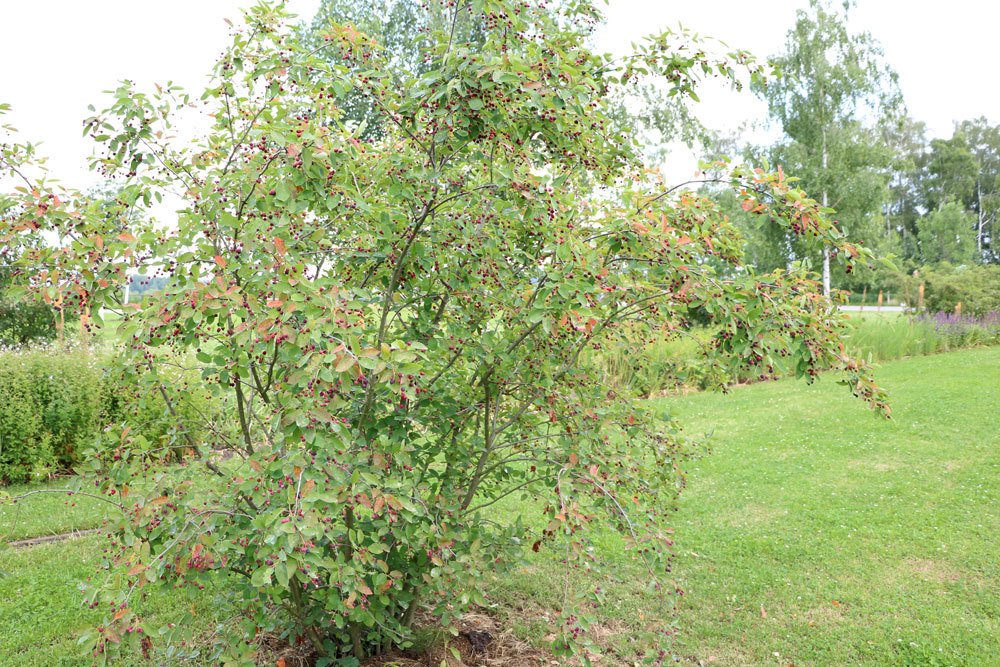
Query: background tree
x,y
24,318
984,143
907,141
947,235
400,30
952,172
835,85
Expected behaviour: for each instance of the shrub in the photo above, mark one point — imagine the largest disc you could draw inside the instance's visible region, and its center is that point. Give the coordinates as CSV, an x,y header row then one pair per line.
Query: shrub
x,y
24,322
167,410
25,449
23,319
49,411
399,324
977,288
57,403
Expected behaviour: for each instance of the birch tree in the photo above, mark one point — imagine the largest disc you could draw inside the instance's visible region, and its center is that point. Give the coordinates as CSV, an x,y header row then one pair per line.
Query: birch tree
x,y
835,89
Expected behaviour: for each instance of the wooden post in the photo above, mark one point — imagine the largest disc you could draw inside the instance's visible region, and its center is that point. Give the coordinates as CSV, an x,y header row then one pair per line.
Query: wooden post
x,y
880,300
920,297
958,309
864,297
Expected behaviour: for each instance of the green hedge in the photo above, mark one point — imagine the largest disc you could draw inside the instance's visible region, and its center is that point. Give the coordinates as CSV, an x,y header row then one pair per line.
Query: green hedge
x,y
23,321
977,288
54,405
49,410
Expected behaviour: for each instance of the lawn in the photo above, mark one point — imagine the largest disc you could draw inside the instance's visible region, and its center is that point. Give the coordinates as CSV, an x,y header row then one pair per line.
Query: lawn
x,y
815,534
812,533
864,542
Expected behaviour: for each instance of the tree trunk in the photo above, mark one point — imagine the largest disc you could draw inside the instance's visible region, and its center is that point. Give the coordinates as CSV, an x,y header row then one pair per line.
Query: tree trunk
x,y
979,232
826,250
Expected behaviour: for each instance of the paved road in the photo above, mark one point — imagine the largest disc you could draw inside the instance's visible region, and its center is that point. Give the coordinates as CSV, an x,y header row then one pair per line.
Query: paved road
x,y
883,309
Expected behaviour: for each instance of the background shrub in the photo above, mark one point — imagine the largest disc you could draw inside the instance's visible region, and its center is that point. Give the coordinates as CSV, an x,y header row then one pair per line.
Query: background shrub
x,y
977,288
23,322
25,450
641,368
49,411
168,411
54,404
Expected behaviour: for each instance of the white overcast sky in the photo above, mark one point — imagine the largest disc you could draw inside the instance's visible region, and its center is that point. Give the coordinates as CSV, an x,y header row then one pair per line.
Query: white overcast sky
x,y
57,56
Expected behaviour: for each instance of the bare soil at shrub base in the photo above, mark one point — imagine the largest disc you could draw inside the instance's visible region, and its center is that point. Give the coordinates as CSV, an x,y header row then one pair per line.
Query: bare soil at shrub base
x,y
481,641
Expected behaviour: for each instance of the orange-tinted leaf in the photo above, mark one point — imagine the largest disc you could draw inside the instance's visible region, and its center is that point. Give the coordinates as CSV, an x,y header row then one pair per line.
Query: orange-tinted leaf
x,y
221,261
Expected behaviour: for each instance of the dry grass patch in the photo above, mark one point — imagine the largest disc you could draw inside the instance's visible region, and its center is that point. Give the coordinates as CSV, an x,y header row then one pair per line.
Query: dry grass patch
x,y
931,570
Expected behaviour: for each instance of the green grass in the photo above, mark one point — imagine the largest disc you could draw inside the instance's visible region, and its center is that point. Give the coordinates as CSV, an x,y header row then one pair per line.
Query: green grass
x,y
45,513
41,615
866,542
883,337
863,541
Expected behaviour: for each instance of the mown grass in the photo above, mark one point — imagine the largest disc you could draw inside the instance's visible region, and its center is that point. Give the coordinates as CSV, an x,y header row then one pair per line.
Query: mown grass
x,y
812,534
49,511
816,534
